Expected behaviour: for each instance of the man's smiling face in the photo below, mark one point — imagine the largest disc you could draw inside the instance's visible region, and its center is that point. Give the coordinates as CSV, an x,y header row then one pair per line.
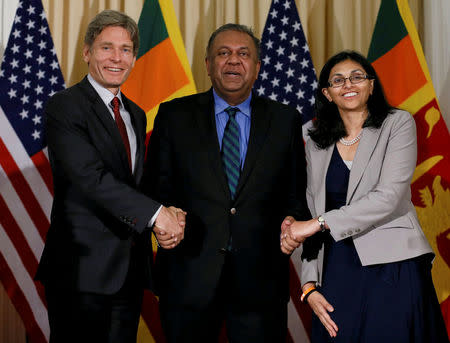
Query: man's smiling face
x,y
110,58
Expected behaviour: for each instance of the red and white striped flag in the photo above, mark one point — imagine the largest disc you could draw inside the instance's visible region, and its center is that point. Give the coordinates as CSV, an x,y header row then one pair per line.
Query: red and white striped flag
x,y
287,75
29,75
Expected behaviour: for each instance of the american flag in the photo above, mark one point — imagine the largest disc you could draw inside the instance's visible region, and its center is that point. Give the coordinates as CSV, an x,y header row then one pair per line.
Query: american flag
x,y
29,75
287,75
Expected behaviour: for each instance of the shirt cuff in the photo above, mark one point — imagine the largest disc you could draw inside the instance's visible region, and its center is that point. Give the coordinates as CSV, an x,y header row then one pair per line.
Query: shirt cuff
x,y
153,219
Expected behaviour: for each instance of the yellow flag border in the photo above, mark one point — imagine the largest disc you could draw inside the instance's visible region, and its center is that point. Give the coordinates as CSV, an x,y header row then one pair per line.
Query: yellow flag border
x,y
173,29
427,93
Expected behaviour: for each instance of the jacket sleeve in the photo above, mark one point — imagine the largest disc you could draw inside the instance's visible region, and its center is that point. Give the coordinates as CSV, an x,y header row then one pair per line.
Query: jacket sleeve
x,y
312,245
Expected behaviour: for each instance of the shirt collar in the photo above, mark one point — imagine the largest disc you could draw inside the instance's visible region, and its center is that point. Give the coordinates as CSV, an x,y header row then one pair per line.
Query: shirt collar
x,y
220,105
104,93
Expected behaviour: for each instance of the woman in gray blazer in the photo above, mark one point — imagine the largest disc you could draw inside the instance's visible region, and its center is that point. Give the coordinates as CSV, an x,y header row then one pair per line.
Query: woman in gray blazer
x,y
366,266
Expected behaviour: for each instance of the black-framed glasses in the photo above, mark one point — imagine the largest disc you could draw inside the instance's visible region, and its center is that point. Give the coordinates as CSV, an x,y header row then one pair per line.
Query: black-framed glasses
x,y
339,81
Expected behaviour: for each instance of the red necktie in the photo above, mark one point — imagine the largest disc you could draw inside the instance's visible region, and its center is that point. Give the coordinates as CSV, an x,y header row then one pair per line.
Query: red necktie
x,y
122,128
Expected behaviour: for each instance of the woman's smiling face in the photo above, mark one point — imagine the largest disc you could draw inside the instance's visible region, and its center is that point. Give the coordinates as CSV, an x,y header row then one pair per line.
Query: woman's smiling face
x,y
349,96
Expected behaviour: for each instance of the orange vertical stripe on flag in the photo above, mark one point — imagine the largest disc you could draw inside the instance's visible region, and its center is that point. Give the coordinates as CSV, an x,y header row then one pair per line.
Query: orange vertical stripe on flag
x,y
148,87
400,72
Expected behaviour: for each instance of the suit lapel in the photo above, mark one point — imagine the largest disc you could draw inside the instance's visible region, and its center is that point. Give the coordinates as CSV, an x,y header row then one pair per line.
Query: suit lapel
x,y
140,133
363,154
105,117
260,123
204,116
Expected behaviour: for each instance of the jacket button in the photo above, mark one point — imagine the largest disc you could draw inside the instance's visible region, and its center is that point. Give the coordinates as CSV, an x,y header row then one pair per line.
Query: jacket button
x,y
233,211
343,235
357,230
350,232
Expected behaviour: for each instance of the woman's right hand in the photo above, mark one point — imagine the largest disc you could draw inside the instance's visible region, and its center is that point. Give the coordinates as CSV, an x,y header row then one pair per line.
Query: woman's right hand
x,y
321,307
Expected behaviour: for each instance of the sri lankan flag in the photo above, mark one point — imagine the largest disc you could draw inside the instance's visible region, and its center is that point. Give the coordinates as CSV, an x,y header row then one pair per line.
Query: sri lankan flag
x,y
397,56
162,72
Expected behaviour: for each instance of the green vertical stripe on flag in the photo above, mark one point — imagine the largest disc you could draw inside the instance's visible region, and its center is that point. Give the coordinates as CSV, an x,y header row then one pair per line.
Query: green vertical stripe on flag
x,y
389,30
152,28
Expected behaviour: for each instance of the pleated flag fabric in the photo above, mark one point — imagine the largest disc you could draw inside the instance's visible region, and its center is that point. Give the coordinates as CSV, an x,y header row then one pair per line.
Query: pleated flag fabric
x,y
397,56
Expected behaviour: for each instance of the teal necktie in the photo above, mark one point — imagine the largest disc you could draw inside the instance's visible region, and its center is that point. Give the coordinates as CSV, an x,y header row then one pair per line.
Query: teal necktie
x,y
231,150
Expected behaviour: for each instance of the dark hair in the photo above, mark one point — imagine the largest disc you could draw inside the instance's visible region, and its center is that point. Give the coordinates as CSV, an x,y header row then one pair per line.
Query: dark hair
x,y
328,126
234,27
108,18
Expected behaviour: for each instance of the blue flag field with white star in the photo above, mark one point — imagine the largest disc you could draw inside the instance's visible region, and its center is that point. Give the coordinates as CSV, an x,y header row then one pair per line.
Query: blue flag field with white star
x,y
29,74
287,73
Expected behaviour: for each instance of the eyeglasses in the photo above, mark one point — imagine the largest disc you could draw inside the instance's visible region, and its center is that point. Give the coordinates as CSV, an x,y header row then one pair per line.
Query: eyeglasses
x,y
339,81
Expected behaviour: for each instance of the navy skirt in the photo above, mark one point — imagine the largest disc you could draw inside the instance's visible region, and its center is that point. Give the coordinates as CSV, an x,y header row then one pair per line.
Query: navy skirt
x,y
385,303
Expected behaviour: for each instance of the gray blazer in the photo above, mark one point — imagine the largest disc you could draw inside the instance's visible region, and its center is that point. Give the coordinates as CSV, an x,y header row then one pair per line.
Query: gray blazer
x,y
379,214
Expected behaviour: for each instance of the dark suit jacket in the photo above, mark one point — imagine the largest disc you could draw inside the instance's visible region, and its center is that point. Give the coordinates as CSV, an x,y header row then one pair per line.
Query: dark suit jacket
x,y
97,213
185,169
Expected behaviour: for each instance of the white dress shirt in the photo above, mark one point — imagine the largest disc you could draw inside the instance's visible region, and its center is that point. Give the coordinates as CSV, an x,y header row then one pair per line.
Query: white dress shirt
x,y
107,97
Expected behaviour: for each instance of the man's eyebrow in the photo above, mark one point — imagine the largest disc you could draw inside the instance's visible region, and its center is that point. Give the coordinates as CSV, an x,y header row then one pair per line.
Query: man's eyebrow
x,y
228,47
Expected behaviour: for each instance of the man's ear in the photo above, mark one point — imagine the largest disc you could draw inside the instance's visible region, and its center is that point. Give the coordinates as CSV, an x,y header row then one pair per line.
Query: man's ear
x,y
86,53
207,62
258,67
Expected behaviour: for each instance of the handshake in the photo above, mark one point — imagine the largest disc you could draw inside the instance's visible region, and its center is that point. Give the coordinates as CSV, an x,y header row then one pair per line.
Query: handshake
x,y
294,233
169,227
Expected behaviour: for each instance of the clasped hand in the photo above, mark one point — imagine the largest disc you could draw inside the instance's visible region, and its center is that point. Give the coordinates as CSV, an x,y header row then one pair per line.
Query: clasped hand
x,y
169,227
294,233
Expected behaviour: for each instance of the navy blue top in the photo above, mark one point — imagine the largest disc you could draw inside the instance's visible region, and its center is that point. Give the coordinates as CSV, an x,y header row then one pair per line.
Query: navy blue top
x,y
336,182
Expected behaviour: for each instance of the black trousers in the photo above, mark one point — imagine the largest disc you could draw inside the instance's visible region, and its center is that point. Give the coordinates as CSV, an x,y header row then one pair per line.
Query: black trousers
x,y
243,323
97,318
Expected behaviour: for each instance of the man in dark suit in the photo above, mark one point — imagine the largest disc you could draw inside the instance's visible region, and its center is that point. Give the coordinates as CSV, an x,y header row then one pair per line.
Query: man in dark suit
x,y
235,163
97,256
